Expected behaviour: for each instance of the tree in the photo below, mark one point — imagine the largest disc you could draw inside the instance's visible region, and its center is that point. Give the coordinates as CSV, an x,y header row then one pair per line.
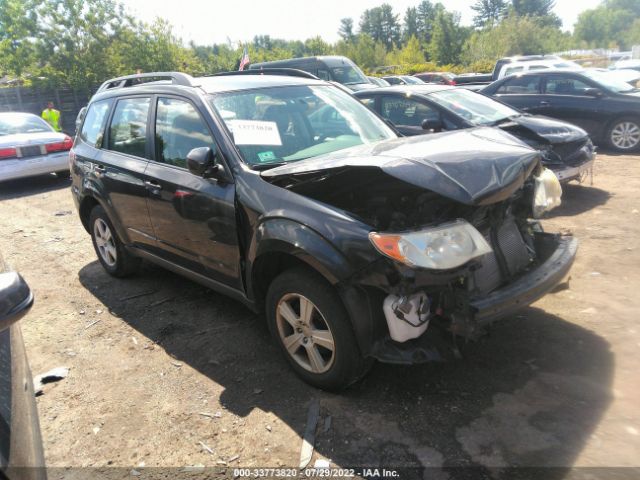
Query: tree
x,y
381,24
317,46
410,24
447,38
18,26
533,8
346,29
608,25
426,16
514,36
489,12
542,10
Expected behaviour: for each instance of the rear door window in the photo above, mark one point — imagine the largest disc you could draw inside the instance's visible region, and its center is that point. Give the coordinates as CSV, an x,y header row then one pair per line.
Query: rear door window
x,y
524,85
94,121
128,129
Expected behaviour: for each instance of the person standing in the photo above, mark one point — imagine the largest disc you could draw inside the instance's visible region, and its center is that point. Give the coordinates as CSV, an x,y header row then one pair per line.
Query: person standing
x,y
51,116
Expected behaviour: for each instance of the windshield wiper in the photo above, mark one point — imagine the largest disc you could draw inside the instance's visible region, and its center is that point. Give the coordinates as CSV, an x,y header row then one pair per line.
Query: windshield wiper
x,y
504,120
266,166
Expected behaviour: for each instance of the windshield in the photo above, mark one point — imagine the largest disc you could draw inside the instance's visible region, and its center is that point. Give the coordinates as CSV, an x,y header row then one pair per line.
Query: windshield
x,y
22,123
608,81
412,80
473,107
285,124
347,75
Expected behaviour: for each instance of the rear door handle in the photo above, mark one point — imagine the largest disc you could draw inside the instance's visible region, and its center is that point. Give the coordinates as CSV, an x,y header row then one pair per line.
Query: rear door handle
x,y
544,103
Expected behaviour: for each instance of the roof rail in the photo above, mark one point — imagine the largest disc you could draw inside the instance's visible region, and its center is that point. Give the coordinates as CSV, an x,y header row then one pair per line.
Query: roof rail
x,y
288,72
177,78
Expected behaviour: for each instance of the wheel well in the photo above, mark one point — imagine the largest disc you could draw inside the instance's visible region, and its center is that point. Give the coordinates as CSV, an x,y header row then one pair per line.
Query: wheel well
x,y
267,267
88,203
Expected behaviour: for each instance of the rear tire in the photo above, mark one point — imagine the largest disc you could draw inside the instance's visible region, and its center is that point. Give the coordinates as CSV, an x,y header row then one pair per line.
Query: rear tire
x,y
305,312
624,134
110,250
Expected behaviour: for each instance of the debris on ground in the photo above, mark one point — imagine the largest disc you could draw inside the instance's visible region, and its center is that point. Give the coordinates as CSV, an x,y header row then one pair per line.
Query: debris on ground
x,y
51,376
160,302
211,415
321,463
306,452
137,295
93,323
327,423
206,447
234,458
62,213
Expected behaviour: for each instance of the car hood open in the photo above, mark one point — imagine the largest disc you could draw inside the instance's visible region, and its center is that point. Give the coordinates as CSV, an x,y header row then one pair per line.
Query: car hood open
x,y
544,128
476,166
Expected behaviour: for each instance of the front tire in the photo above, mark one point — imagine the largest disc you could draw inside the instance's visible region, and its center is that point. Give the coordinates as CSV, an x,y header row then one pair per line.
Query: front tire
x,y
306,317
110,250
624,134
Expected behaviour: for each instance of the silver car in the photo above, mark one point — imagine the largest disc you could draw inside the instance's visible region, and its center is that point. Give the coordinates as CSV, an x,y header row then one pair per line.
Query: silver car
x,y
29,146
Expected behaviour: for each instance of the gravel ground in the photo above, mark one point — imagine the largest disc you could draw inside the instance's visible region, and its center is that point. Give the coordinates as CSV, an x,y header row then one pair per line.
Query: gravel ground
x,y
165,373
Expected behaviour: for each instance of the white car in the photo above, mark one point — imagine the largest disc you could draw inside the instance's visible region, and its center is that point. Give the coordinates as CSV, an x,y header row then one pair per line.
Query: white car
x,y
29,146
529,66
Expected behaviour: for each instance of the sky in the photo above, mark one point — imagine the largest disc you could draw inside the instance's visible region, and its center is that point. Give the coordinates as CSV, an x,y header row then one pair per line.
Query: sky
x,y
240,20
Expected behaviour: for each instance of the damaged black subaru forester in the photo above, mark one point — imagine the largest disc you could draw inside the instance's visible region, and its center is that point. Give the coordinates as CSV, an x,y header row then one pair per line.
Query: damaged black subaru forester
x,y
357,244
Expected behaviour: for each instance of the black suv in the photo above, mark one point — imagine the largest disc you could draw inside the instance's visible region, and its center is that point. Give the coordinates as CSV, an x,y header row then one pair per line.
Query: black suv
x,y
289,195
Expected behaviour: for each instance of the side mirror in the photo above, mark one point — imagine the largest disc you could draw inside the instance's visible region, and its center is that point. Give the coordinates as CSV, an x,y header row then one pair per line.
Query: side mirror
x,y
15,299
432,124
594,92
201,161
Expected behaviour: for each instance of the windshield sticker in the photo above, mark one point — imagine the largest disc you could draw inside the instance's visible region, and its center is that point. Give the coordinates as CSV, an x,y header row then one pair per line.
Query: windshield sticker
x,y
254,132
266,156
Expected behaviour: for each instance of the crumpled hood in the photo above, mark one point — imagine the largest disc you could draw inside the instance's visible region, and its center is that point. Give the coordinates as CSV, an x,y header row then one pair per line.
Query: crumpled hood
x,y
544,128
476,166
22,139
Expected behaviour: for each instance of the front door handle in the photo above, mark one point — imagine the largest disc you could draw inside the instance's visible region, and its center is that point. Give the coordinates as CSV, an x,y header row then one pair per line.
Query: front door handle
x,y
544,103
152,186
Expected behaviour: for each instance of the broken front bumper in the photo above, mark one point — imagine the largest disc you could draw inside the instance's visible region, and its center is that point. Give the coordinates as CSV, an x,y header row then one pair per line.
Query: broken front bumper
x,y
560,253
556,253
572,173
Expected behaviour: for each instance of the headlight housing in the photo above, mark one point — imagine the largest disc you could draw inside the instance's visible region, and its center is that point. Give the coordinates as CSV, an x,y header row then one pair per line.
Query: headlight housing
x,y
547,193
446,246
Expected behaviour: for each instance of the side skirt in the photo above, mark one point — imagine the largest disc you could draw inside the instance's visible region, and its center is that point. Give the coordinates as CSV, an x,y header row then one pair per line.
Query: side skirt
x,y
196,277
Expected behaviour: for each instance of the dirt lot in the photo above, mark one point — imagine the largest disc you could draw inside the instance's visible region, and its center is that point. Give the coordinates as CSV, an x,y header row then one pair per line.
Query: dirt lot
x,y
183,376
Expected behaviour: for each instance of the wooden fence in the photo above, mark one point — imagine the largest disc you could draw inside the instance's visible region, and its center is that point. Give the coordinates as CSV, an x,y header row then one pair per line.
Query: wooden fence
x,y
33,100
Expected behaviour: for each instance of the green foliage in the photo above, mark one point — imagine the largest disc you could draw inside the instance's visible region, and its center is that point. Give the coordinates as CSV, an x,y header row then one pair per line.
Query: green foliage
x,y
489,12
612,24
346,29
18,22
83,42
447,38
514,36
381,24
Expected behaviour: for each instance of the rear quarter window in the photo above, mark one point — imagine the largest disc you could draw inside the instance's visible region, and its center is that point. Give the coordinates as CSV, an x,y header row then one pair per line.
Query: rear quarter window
x,y
94,122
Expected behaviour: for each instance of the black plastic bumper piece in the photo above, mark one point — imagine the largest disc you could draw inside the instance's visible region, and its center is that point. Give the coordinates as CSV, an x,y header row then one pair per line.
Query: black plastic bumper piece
x,y
531,286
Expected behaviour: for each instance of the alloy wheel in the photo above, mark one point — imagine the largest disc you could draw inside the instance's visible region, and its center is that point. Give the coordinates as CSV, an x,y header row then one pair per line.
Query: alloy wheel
x,y
305,333
105,242
625,135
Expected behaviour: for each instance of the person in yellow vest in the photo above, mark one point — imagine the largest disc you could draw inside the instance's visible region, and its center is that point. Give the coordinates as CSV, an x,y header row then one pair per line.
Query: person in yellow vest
x,y
51,116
